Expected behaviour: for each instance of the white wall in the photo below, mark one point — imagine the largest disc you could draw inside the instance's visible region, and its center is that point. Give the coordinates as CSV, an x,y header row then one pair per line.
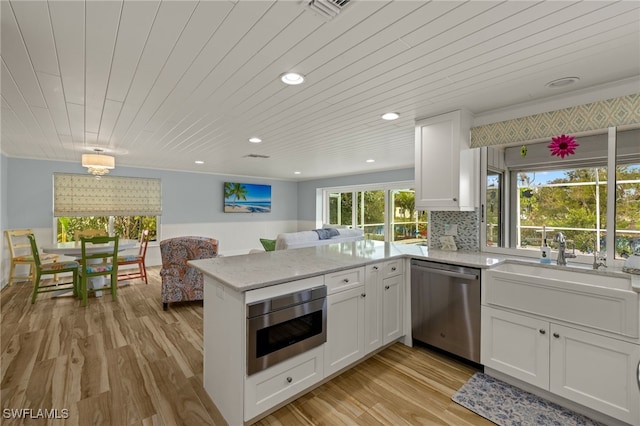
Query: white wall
x,y
4,266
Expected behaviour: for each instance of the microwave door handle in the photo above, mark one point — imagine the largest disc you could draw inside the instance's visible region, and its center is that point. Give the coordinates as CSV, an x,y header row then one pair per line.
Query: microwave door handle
x,y
447,273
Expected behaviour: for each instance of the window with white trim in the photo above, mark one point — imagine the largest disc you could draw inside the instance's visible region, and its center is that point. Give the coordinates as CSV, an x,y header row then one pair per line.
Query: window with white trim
x,y
385,212
528,192
122,206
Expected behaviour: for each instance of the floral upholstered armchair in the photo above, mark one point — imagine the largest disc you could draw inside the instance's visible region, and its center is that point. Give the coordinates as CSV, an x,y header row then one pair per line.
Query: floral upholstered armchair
x,y
181,282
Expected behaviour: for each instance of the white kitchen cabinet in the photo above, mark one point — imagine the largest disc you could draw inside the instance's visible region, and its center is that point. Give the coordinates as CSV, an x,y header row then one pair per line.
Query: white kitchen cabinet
x,y
345,319
384,302
516,345
373,307
269,387
392,308
596,371
445,165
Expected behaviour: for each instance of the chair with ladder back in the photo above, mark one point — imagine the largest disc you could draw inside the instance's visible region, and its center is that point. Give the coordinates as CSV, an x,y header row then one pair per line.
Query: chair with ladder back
x,y
135,259
99,259
21,254
52,268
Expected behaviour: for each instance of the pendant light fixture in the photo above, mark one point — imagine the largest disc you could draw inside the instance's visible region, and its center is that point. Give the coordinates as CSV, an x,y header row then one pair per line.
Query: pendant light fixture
x,y
98,164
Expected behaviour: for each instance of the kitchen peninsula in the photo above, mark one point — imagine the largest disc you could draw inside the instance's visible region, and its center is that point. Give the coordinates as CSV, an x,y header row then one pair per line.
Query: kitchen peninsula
x,y
357,325
349,271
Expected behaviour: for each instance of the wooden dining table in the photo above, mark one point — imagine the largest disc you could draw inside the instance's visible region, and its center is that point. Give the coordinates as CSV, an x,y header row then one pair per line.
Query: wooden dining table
x,y
74,249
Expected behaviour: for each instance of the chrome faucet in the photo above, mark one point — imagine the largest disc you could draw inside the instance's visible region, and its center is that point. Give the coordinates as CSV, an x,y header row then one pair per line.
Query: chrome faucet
x,y
562,246
598,260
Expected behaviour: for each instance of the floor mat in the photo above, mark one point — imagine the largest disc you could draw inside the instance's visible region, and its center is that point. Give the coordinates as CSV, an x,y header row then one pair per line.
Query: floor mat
x,y
508,405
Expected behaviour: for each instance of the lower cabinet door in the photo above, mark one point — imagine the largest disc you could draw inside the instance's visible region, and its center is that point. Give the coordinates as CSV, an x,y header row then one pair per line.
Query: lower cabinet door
x,y
267,388
345,329
392,312
373,309
516,345
596,371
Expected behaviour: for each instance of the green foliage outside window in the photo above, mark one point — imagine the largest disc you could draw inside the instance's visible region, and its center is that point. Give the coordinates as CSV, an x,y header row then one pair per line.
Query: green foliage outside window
x,y
340,208
406,222
578,200
126,227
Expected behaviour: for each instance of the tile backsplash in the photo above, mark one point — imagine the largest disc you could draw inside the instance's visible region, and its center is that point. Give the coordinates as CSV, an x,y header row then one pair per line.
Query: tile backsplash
x,y
468,237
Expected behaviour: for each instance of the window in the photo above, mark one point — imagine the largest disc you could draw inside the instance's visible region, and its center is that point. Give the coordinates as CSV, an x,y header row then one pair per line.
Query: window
x,y
126,227
407,222
121,206
340,208
527,192
370,215
571,201
627,214
384,213
494,211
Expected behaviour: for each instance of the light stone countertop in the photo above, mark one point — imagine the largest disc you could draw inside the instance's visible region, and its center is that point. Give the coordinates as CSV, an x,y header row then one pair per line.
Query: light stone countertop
x,y
257,270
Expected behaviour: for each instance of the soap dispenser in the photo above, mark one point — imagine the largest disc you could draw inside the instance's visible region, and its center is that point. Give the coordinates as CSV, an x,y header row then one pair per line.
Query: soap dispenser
x,y
545,250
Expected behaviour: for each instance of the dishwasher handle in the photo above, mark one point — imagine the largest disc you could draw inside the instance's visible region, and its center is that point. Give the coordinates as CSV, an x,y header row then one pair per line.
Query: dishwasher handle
x,y
446,273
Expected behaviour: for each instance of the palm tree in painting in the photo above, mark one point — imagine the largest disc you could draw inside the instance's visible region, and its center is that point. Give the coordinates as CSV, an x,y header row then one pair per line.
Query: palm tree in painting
x,y
236,190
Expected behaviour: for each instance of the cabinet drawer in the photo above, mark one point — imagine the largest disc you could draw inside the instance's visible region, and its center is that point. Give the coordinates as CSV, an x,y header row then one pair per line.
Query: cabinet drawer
x,y
393,268
274,385
344,280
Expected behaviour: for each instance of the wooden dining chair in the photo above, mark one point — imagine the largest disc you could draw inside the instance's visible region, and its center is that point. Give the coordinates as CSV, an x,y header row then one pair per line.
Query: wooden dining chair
x,y
52,268
135,259
98,263
79,233
21,254
88,233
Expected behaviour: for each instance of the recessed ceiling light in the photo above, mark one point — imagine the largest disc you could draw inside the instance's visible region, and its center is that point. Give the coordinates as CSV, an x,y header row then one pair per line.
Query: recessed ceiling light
x,y
561,82
296,173
255,140
292,78
371,160
199,162
390,116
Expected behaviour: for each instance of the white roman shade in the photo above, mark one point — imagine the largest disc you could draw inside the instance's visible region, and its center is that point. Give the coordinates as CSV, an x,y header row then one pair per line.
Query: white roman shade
x,y
84,195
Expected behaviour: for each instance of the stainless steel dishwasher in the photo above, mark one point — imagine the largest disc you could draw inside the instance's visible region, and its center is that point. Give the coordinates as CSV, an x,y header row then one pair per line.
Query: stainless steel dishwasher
x,y
445,307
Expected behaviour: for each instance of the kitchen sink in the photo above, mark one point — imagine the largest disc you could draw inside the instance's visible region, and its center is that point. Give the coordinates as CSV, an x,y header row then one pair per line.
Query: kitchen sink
x,y
581,274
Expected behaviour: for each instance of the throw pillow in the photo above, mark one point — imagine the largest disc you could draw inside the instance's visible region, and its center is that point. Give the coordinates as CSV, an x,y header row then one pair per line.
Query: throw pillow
x,y
269,245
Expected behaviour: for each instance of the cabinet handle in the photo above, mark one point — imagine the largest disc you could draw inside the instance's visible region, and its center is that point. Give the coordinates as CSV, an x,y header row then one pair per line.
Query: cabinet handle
x,y
638,375
455,199
363,295
386,287
375,268
393,268
543,331
346,280
556,335
289,380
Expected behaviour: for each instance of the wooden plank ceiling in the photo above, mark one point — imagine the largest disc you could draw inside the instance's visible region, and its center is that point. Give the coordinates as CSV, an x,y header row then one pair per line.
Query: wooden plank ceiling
x,y
160,84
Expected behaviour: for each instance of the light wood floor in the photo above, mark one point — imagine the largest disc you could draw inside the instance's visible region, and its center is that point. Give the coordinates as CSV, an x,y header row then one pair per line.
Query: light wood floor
x,y
130,363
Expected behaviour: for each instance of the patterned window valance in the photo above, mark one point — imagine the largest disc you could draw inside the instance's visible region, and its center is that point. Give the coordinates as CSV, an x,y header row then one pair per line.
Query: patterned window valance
x,y
620,111
84,195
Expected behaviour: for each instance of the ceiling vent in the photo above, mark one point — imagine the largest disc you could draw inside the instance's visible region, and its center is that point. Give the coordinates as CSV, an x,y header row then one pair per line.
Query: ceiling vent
x,y
256,156
328,9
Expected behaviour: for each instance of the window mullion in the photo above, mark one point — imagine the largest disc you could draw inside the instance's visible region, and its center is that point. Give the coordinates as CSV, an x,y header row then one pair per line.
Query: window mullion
x,y
388,208
611,194
354,210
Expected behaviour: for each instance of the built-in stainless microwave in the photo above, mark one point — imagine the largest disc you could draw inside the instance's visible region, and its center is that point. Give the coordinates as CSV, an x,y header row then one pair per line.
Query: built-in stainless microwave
x,y
284,326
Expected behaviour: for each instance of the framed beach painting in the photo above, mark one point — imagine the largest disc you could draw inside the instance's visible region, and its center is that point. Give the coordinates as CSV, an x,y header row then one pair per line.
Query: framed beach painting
x,y
246,198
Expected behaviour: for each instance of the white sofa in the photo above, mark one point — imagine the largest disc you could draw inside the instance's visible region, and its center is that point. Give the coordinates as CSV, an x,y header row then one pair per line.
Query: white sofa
x,y
292,240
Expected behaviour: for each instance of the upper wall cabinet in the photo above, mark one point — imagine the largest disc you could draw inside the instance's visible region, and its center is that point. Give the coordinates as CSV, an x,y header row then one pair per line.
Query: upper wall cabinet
x,y
445,164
